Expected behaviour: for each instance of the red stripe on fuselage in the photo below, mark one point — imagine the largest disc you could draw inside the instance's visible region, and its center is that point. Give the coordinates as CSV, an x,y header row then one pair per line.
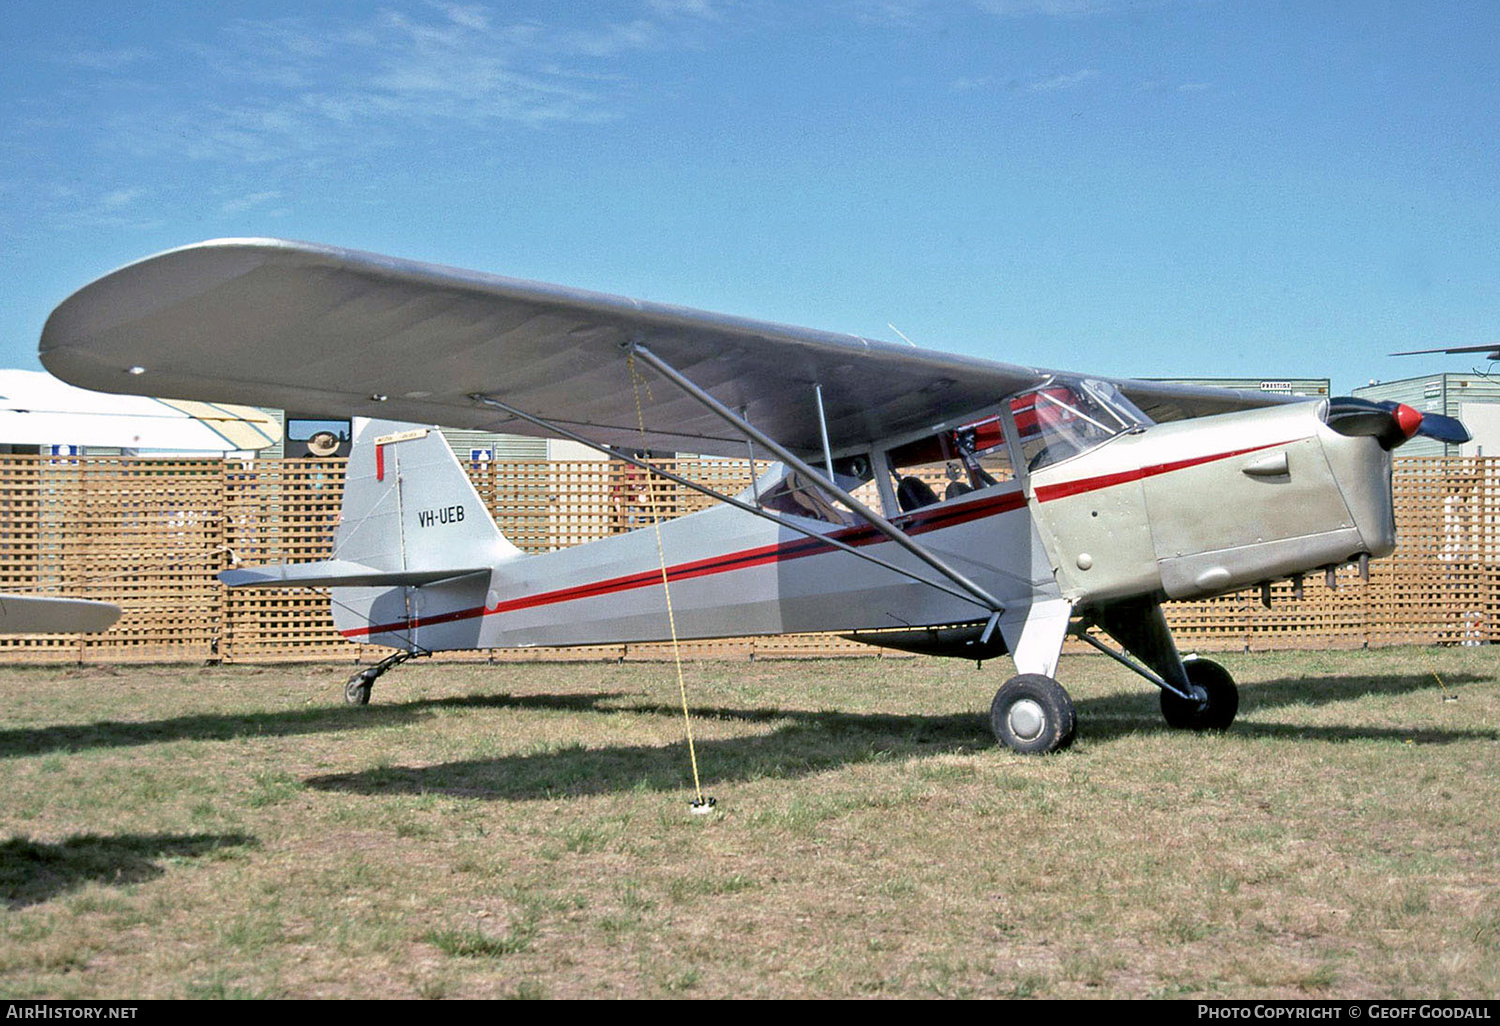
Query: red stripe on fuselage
x,y
918,522
1092,484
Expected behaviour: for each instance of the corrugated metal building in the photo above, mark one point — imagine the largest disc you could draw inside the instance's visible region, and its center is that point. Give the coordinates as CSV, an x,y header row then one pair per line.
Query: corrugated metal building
x,y
1279,386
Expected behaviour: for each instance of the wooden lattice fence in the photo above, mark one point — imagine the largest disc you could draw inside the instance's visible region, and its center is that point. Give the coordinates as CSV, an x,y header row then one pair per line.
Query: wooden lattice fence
x,y
151,534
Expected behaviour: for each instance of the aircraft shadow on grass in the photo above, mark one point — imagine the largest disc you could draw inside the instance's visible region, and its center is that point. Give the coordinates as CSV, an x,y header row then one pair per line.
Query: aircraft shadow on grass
x,y
32,872
71,737
806,743
1100,718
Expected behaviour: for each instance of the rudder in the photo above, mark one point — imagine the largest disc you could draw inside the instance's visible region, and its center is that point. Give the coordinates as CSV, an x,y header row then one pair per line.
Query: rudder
x,y
409,506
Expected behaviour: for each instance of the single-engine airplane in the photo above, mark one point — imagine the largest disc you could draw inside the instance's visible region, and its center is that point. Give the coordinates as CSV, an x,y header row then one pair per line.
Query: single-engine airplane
x,y
1073,501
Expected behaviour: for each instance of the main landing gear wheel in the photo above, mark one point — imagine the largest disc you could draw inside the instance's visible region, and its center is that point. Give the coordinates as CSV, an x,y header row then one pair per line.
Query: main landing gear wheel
x,y
1216,707
1032,714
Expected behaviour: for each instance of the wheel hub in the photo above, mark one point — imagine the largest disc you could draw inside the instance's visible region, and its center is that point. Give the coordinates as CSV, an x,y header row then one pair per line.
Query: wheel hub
x,y
1026,719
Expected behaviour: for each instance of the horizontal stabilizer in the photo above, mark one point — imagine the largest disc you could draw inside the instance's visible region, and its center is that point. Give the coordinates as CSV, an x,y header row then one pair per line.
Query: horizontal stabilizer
x,y
337,573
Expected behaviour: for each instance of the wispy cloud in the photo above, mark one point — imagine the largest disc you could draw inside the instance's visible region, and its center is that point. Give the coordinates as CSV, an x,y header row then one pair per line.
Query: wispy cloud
x,y
253,200
280,88
1048,8
474,16
118,208
1158,86
120,198
257,103
109,60
684,8
1071,80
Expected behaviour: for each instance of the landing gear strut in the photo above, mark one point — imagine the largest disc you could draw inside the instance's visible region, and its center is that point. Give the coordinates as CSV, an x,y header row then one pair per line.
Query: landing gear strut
x,y
1034,715
1213,705
357,688
1196,694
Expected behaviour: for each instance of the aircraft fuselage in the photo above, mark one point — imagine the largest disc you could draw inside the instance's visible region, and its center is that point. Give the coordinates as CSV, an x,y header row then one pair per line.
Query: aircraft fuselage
x,y
1172,511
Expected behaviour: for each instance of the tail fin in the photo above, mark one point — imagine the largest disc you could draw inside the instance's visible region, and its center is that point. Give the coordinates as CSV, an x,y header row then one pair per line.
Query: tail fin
x,y
410,517
409,506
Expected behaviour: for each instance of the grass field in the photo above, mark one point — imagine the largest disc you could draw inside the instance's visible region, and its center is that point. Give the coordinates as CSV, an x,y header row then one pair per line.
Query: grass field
x,y
523,830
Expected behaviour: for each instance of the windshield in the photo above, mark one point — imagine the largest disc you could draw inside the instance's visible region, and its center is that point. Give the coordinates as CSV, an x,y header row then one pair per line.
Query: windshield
x,y
1065,418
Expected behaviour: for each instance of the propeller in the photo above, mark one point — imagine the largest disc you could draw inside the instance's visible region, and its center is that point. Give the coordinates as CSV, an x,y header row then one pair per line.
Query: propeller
x,y
1391,423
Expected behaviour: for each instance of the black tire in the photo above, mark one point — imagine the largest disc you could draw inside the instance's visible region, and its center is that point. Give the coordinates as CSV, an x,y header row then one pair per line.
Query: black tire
x,y
1032,714
1216,712
357,690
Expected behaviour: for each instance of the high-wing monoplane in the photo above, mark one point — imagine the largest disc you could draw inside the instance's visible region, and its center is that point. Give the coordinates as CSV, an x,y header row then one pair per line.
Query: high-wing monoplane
x,y
1068,502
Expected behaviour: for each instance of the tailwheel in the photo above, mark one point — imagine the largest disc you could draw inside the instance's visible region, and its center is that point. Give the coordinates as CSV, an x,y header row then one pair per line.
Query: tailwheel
x,y
1032,714
357,688
1217,699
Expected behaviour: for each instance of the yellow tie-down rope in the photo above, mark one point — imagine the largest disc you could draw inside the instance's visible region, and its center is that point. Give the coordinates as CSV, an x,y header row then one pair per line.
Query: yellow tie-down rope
x,y
700,804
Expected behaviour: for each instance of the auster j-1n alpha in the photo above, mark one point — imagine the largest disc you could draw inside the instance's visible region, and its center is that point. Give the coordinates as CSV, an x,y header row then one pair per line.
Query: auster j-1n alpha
x,y
1072,502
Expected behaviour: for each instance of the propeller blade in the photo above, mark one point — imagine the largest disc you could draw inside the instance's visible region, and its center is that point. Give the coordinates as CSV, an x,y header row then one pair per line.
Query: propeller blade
x,y
1392,424
1444,429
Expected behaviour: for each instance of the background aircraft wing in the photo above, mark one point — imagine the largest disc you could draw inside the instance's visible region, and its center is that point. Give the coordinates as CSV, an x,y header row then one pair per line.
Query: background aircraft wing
x,y
311,327
32,614
1492,348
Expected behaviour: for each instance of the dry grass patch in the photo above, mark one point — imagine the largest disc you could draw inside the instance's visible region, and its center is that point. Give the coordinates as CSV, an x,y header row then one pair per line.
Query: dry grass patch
x,y
523,831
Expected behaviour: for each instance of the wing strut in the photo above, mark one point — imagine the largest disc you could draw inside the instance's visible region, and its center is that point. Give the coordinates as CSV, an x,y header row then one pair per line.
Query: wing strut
x,y
613,453
866,514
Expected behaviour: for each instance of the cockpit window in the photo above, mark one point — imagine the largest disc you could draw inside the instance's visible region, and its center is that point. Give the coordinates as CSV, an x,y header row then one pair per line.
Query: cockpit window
x,y
949,464
1065,418
790,491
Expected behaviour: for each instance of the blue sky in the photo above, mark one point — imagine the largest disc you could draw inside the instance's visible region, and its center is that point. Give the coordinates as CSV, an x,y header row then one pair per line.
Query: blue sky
x,y
1151,188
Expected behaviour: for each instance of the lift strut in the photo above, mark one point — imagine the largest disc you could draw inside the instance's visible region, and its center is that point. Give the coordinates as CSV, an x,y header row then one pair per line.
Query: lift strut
x,y
860,510
619,454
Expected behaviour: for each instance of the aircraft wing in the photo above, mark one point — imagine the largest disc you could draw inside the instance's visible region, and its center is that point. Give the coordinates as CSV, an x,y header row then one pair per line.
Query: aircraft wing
x,y
1164,400
1493,349
312,327
32,614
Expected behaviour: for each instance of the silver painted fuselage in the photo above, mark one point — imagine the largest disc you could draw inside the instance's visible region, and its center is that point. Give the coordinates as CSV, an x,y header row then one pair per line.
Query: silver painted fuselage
x,y
729,574
1197,508
1171,511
